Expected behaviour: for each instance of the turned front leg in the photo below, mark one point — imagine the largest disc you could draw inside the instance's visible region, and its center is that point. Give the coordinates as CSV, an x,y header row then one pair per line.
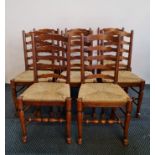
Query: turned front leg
x,y
79,120
22,120
127,122
68,120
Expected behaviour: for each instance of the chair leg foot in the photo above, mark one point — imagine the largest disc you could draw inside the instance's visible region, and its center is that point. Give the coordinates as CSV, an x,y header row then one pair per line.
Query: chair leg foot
x,y
138,115
24,139
69,140
22,120
127,122
125,141
79,140
140,98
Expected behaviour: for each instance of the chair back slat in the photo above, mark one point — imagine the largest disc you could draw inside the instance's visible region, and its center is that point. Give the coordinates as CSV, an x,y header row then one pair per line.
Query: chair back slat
x,y
104,76
102,48
50,57
100,67
101,57
52,75
78,31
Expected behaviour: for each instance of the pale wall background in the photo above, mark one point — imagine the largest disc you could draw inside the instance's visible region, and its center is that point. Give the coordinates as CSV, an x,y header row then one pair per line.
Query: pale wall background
x,y
29,14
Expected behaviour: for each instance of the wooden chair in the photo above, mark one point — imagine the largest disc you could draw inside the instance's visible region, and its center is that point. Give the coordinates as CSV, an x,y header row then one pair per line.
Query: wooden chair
x,y
102,95
26,78
46,93
75,58
126,78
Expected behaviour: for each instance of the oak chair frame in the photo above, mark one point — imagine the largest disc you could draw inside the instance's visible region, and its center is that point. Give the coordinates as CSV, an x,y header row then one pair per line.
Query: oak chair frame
x,y
140,92
39,66
83,104
28,66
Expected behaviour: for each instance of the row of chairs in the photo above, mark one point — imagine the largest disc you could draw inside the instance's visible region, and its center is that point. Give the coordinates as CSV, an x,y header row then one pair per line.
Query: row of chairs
x,y
99,63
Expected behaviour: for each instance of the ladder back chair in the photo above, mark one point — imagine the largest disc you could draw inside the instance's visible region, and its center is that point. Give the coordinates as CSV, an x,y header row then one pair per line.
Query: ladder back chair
x,y
75,57
26,78
104,94
126,78
106,43
47,93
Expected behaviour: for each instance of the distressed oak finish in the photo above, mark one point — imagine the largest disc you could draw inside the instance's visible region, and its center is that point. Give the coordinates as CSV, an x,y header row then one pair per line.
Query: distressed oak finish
x,y
94,95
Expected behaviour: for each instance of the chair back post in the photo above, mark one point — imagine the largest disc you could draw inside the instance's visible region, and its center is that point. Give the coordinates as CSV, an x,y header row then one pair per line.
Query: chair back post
x,y
25,52
58,44
121,54
101,42
68,59
62,32
117,59
91,31
63,54
65,32
98,30
98,42
58,31
34,56
130,51
82,58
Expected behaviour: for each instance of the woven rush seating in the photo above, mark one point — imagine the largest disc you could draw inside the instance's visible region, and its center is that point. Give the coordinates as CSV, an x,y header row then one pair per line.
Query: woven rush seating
x,y
126,77
75,77
103,92
99,64
28,76
44,91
